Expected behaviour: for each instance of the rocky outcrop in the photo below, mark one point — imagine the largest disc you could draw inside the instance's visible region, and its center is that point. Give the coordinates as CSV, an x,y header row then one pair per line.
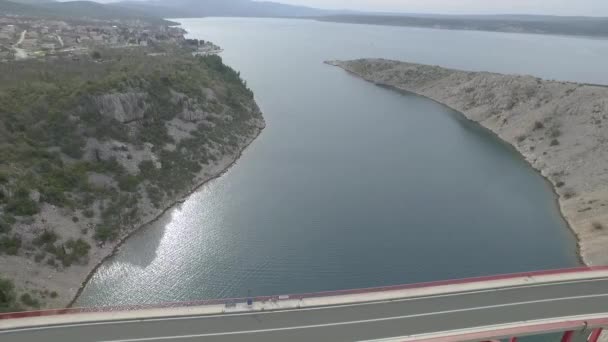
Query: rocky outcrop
x,y
128,156
191,109
559,127
123,107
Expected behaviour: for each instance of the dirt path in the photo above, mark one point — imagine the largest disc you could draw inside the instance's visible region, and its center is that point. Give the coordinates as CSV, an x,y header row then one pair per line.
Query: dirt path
x,y
19,52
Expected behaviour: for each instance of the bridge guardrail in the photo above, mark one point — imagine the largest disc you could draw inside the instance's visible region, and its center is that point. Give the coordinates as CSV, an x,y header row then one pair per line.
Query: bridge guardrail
x,y
226,301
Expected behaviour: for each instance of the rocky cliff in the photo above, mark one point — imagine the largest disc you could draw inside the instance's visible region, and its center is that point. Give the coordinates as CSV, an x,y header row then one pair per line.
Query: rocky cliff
x,y
561,128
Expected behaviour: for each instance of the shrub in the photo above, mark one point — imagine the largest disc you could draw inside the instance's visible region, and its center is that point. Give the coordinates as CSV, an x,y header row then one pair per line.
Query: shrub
x,y
96,55
79,249
9,219
54,196
4,227
105,233
51,262
75,219
54,294
47,237
521,138
555,132
73,251
538,125
7,296
568,194
147,169
89,213
73,150
22,206
554,142
155,195
128,183
40,256
28,300
597,226
560,184
10,245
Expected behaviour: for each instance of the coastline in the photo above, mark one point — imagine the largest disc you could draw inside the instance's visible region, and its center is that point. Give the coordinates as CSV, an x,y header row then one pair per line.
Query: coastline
x,y
104,178
232,160
556,202
587,255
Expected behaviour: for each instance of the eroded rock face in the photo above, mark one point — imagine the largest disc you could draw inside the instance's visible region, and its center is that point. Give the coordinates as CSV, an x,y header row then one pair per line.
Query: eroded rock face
x,y
128,156
191,109
123,107
193,114
559,127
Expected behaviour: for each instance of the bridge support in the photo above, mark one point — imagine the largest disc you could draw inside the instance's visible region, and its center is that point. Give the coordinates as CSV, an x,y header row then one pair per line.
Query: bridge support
x,y
595,335
567,337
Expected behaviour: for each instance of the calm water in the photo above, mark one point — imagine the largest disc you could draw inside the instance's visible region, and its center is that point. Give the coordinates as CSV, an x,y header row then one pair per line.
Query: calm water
x,y
352,185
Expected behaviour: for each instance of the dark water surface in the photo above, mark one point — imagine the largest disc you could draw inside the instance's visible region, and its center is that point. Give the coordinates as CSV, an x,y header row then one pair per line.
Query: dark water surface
x,y
352,185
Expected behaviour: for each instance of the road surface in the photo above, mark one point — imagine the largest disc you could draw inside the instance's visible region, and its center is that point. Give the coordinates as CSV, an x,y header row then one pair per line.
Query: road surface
x,y
351,322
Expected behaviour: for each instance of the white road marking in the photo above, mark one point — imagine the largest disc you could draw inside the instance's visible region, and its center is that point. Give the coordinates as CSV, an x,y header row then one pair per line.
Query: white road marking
x,y
279,311
181,337
495,327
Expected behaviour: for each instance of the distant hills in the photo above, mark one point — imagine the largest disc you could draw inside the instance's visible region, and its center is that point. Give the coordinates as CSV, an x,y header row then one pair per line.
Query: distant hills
x,y
153,10
580,26
32,2
222,8
77,10
542,24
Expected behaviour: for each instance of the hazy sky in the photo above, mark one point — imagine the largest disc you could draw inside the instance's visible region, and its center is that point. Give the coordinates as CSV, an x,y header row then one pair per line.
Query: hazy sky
x,y
556,7
560,7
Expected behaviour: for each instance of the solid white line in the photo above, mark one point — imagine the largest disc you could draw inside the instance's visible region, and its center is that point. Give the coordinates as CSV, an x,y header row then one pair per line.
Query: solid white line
x,y
180,337
502,326
282,311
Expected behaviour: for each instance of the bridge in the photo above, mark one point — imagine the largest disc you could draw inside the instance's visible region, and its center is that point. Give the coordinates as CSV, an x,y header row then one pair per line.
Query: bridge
x,y
573,302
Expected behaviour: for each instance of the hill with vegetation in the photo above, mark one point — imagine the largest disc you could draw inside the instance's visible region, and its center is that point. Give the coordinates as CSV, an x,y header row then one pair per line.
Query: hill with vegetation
x,y
219,8
79,10
95,147
576,26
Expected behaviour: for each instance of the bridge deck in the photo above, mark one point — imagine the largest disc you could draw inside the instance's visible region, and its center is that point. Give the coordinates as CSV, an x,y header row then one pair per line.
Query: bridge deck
x,y
513,305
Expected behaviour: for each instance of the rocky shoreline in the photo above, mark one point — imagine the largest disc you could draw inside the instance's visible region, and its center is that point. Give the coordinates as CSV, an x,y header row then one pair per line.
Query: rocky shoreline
x,y
556,126
202,179
68,283
70,196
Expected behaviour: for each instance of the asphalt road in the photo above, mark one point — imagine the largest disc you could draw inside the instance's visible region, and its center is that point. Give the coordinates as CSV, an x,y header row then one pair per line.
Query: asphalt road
x,y
356,322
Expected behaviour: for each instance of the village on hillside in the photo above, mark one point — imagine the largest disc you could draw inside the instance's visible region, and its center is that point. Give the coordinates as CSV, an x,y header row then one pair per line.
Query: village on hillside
x,y
25,38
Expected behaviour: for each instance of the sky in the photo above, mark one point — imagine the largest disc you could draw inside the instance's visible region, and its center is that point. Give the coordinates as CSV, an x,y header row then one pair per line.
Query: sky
x,y
553,7
557,7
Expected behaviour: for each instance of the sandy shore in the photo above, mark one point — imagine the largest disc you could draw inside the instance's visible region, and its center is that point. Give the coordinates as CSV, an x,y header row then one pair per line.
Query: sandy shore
x,y
556,126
